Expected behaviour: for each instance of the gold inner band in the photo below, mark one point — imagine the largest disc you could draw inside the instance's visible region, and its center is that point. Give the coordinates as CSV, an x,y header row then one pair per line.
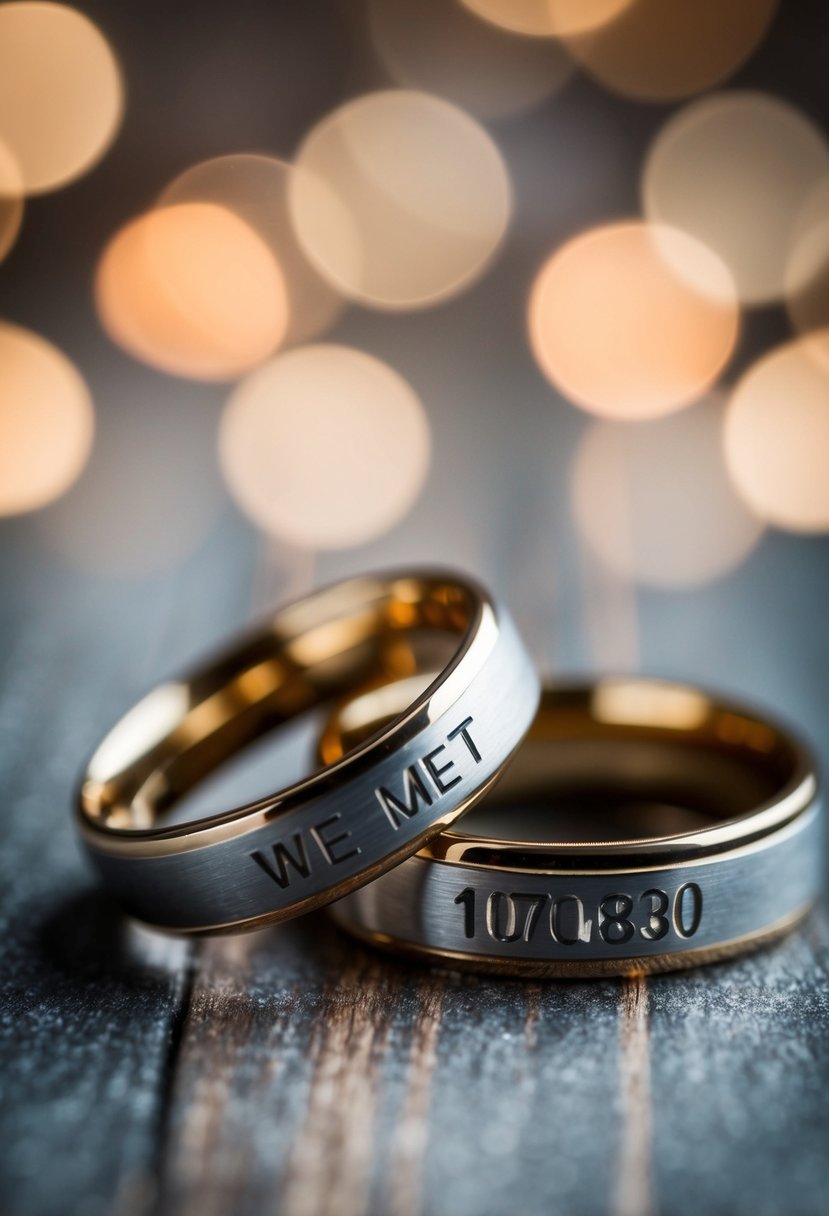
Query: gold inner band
x,y
618,764
365,631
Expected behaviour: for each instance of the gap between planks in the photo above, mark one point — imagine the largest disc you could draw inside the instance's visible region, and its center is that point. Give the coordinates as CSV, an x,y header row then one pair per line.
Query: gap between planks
x,y
340,1123
634,1188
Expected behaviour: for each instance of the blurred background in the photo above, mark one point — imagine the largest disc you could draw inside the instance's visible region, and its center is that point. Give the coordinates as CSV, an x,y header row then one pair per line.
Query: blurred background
x,y
533,287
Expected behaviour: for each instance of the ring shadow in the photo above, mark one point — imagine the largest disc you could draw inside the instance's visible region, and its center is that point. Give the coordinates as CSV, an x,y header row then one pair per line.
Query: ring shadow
x,y
87,939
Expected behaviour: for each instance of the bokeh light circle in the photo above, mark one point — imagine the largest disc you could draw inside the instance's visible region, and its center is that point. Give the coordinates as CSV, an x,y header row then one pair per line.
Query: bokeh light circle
x,y
193,291
806,283
11,199
663,50
733,170
777,436
444,48
61,96
255,188
654,501
548,18
46,421
325,447
402,199
619,332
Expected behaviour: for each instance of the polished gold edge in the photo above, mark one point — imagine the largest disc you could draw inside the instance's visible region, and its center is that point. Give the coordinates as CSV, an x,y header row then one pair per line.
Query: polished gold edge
x,y
792,799
474,649
486,964
759,823
770,839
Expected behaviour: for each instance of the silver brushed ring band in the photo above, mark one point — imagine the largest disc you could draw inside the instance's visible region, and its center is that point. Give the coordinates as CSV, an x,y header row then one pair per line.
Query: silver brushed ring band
x,y
552,906
343,825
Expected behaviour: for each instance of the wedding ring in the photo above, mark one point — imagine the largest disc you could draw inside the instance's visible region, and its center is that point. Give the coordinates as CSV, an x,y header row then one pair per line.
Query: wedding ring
x,y
642,826
341,826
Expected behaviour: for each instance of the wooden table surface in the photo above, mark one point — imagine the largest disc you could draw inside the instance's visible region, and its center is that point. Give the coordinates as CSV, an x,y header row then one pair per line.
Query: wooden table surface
x,y
294,1072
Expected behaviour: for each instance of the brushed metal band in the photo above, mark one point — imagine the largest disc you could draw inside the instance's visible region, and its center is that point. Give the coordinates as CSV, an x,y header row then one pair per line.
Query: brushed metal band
x,y
343,825
713,885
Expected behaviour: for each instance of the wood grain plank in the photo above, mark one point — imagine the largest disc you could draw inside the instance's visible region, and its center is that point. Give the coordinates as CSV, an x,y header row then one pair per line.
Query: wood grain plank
x,y
739,1057
406,1175
297,1073
89,1004
524,1098
633,1189
275,1081
316,1078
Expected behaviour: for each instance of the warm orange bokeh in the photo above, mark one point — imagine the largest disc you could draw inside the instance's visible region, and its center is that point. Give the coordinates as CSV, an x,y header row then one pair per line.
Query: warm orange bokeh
x,y
46,421
620,333
777,436
192,290
661,50
445,49
61,96
548,18
733,170
325,447
255,188
402,199
11,199
806,283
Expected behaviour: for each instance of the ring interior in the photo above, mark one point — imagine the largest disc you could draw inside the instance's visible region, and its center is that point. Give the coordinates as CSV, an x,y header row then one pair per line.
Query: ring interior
x,y
358,633
616,760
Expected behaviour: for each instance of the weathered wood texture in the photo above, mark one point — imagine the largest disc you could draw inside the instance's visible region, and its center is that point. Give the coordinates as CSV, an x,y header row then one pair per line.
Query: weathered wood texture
x,y
294,1072
87,1024
315,1078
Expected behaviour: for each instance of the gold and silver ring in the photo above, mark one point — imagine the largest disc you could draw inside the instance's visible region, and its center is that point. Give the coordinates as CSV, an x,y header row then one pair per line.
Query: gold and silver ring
x,y
642,826
305,845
